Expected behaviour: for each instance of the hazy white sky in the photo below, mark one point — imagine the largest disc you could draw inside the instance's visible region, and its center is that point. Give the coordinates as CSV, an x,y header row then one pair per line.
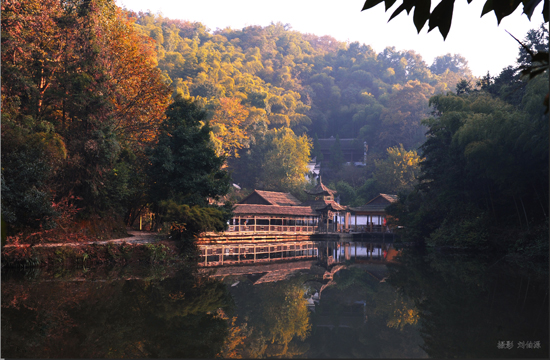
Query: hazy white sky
x,y
486,46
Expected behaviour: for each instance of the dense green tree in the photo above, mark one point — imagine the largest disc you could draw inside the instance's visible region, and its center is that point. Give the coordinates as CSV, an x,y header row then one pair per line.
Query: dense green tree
x,y
510,85
463,87
401,120
309,84
536,41
336,155
455,63
27,164
285,164
346,192
183,164
316,150
486,164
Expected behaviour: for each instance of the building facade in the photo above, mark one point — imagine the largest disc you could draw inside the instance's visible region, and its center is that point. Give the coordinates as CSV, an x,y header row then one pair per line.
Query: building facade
x,y
270,212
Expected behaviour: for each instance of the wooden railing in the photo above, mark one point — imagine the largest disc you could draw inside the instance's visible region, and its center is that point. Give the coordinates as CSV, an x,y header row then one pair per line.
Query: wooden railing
x,y
369,228
271,229
353,228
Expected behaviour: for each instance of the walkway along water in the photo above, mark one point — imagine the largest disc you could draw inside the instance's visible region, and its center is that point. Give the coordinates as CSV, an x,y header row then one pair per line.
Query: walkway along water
x,y
140,246
136,237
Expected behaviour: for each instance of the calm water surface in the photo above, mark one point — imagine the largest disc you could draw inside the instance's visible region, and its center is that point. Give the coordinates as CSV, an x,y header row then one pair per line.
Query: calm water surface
x,y
336,300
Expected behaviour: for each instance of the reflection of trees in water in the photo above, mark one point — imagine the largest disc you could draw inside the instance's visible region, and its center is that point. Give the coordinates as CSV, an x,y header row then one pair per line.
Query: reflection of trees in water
x,y
467,305
175,317
451,305
342,327
276,318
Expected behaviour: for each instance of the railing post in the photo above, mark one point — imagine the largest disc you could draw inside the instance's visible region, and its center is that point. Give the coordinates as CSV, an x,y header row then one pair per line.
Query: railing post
x,y
373,246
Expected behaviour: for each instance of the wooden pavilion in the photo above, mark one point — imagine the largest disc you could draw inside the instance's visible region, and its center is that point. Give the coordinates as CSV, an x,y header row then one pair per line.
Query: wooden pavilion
x,y
375,211
329,210
264,212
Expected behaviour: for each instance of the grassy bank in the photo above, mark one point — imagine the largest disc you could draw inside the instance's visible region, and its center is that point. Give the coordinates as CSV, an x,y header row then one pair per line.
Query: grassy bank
x,y
90,254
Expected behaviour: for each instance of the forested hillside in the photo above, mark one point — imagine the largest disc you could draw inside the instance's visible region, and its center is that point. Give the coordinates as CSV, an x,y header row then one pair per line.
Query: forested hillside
x,y
107,113
308,83
484,177
259,79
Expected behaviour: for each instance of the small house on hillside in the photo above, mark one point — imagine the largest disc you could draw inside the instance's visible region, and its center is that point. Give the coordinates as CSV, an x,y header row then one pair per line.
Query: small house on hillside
x,y
354,151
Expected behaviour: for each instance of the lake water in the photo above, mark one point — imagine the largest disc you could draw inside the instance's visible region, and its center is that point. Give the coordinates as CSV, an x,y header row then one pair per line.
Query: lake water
x,y
332,300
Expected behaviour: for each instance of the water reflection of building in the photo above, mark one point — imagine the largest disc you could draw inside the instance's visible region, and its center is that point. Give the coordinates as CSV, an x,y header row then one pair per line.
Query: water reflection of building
x,y
262,273
328,253
246,253
334,252
274,262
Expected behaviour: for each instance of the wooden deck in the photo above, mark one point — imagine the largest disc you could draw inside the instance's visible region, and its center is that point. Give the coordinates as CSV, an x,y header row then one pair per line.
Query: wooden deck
x,y
259,238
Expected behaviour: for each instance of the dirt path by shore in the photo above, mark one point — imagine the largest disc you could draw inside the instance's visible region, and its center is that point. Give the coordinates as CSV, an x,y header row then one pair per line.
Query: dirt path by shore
x,y
136,237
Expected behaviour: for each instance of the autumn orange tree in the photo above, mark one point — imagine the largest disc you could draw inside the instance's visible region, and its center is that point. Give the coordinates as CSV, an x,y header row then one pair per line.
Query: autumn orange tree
x,y
81,81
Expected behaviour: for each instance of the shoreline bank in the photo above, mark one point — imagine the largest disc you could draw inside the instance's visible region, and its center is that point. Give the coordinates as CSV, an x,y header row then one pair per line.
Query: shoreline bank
x,y
140,246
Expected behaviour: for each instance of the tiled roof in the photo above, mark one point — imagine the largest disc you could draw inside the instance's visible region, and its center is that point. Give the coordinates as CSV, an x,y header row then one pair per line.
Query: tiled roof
x,y
390,198
374,205
278,198
253,209
321,189
321,204
333,206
